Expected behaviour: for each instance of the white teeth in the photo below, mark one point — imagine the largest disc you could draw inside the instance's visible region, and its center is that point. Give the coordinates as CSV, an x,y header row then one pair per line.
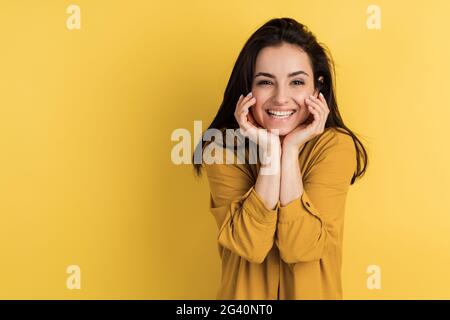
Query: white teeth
x,y
280,114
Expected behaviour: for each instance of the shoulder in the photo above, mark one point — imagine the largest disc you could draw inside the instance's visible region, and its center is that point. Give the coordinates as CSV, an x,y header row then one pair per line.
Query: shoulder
x,y
333,145
333,139
332,157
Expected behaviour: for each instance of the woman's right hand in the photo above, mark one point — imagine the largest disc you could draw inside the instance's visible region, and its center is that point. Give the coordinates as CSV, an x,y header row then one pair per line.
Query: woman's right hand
x,y
249,128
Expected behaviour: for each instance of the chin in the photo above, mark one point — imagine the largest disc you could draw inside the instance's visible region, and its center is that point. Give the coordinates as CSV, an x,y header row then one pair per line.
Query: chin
x,y
282,131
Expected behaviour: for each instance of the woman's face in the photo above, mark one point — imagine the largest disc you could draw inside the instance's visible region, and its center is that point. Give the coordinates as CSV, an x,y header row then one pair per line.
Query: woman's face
x,y
282,81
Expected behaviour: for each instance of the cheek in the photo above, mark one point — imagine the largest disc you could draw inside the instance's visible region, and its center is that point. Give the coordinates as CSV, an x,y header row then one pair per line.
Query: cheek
x,y
257,112
257,108
303,113
262,92
300,99
260,96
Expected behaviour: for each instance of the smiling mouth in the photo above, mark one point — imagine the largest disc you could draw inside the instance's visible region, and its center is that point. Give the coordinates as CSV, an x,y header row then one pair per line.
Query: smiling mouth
x,y
280,114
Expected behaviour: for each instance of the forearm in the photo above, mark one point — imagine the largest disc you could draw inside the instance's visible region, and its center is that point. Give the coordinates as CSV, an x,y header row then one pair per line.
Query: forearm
x,y
268,187
291,184
268,181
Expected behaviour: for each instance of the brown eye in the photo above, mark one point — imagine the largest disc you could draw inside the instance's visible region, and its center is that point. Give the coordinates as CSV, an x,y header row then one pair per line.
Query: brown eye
x,y
298,82
264,82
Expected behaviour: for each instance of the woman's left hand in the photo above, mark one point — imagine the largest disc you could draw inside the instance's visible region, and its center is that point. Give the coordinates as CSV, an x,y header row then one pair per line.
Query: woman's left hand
x,y
319,109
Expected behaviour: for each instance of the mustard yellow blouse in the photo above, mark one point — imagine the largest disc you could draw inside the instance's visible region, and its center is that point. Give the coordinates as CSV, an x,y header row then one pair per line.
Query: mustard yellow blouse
x,y
290,252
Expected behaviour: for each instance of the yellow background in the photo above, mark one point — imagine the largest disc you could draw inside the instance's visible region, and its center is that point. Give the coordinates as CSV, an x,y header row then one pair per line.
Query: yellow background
x,y
86,117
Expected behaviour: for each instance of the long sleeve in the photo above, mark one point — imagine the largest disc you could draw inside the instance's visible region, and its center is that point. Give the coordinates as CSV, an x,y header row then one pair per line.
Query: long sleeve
x,y
246,226
309,223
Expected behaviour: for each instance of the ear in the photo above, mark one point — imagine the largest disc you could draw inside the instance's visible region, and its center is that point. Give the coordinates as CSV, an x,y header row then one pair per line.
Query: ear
x,y
318,88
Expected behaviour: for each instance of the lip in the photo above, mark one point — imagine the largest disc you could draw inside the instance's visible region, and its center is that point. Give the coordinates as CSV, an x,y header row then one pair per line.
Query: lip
x,y
275,109
280,118
281,110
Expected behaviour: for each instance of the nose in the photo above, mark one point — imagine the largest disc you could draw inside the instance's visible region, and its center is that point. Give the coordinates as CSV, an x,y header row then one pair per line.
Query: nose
x,y
280,96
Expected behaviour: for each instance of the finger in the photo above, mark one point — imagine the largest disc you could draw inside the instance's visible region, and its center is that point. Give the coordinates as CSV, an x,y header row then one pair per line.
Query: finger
x,y
247,97
317,113
242,101
324,102
326,108
247,104
320,121
321,97
237,109
239,103
246,125
316,116
318,105
322,110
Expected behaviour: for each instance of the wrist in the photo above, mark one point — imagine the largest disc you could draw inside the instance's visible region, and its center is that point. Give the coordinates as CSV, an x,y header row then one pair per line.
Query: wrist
x,y
270,157
272,149
290,150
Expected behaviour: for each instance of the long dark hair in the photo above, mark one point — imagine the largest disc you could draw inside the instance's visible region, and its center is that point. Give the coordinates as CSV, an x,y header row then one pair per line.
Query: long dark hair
x,y
274,33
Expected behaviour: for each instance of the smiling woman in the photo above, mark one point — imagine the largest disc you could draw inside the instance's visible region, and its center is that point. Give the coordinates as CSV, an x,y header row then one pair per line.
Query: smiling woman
x,y
280,234
280,94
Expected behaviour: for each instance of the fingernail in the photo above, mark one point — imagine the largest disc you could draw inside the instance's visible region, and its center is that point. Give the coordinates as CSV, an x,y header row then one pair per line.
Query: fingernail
x,y
250,94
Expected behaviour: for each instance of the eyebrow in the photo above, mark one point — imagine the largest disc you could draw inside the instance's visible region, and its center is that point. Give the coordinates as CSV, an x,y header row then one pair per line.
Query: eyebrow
x,y
265,74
